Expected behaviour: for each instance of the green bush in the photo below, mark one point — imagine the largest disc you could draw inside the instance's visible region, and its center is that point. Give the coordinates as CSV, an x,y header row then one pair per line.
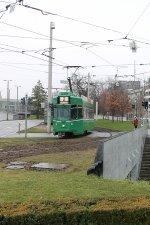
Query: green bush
x,y
77,212
114,217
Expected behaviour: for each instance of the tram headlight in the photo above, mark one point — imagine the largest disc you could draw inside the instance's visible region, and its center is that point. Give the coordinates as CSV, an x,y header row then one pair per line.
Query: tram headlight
x,y
63,125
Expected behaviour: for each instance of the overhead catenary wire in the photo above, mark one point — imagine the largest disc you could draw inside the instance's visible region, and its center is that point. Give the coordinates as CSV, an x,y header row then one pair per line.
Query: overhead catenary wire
x,y
34,32
64,64
24,51
72,42
69,42
76,43
4,64
6,2
69,18
102,58
87,23
23,37
44,12
137,20
84,22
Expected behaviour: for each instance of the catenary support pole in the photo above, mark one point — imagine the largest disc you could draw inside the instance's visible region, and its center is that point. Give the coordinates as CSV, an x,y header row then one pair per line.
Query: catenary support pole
x,y
52,26
26,108
8,97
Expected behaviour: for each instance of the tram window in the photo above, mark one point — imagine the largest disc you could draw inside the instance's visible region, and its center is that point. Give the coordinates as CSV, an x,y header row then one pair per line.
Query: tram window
x,y
80,114
84,113
63,114
74,114
55,113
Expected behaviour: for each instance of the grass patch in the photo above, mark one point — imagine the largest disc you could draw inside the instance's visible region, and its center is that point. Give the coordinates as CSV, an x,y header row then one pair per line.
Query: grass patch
x,y
23,185
34,130
108,124
116,125
6,142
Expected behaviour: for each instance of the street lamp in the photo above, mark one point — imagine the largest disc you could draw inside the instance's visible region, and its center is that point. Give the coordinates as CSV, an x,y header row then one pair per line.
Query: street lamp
x,y
52,26
88,93
17,108
8,96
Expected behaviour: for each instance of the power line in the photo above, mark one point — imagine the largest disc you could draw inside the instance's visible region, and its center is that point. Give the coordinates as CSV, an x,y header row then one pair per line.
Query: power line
x,y
23,68
137,20
23,52
23,49
102,58
23,37
24,29
29,64
72,42
69,18
5,2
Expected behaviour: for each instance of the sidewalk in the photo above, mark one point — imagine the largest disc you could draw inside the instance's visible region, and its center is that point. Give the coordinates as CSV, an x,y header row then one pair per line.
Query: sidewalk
x,y
33,135
50,135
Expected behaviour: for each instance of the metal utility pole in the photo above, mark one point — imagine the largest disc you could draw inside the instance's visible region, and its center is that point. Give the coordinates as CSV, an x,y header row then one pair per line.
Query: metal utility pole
x,y
52,26
8,96
88,94
26,108
17,108
135,90
96,110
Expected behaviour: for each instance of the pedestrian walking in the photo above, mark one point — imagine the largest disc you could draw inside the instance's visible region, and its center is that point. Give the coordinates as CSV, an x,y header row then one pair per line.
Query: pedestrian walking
x,y
135,122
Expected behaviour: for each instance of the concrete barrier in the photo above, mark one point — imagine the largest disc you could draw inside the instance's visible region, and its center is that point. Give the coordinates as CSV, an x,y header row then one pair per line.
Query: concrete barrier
x,y
121,155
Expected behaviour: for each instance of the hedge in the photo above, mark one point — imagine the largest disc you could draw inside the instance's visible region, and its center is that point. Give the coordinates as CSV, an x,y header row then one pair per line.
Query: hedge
x,y
103,211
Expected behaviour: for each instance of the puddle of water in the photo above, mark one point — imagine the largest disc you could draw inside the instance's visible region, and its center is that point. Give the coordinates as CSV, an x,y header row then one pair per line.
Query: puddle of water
x,y
18,163
15,167
52,166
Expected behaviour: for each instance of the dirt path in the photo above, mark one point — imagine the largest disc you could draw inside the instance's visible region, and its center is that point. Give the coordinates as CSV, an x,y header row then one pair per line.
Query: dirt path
x,y
12,152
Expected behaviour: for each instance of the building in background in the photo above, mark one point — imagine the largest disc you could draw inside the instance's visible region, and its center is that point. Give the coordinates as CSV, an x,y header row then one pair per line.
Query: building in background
x,y
129,85
13,107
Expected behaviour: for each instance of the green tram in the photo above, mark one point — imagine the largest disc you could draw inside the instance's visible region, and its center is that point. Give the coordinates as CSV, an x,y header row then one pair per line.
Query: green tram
x,y
72,115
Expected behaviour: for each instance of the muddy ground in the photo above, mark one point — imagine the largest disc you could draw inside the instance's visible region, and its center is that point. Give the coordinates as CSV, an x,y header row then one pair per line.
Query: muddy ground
x,y
12,152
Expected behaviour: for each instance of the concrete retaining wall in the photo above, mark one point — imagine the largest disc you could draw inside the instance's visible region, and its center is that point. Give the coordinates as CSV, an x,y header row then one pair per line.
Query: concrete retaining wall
x,y
122,155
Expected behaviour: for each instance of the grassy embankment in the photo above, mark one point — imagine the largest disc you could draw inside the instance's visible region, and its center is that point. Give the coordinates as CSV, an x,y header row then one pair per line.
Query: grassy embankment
x,y
116,125
55,197
22,185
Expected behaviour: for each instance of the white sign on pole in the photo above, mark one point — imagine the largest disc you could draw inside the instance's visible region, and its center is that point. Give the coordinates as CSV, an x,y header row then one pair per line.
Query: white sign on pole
x,y
12,8
63,81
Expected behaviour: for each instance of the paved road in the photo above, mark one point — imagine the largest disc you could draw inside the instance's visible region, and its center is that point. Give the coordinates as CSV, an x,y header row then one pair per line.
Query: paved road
x,y
3,116
11,127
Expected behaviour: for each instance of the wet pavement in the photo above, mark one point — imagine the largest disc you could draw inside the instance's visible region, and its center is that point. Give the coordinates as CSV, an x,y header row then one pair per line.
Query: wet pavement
x,y
18,165
12,127
52,166
50,135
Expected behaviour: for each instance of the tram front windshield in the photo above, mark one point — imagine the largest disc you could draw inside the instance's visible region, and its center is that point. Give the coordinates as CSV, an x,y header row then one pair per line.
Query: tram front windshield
x,y
62,112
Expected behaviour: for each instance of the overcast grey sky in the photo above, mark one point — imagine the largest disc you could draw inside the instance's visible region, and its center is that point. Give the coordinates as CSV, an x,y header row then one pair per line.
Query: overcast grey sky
x,y
83,30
